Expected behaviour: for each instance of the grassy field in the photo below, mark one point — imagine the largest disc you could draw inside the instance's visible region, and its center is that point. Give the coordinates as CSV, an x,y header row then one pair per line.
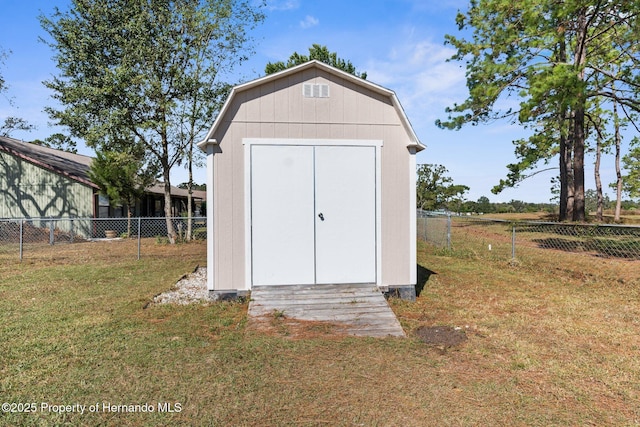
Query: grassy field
x,y
552,340
626,217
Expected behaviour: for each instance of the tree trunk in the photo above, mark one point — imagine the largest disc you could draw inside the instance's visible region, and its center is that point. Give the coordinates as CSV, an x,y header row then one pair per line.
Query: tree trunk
x,y
129,208
600,198
189,211
616,125
566,144
578,164
570,191
566,170
565,162
171,234
190,193
578,119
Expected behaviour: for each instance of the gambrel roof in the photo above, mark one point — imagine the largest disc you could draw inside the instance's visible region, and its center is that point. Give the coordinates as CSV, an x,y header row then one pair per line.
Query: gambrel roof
x,y
413,138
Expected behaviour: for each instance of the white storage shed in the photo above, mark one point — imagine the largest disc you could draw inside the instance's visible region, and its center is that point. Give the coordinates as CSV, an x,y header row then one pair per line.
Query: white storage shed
x,y
311,180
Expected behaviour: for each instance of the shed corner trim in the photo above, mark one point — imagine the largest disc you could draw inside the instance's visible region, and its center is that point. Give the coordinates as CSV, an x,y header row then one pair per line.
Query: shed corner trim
x,y
415,147
207,142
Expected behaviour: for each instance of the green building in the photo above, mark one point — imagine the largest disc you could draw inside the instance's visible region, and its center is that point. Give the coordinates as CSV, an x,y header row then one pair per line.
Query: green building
x,y
41,182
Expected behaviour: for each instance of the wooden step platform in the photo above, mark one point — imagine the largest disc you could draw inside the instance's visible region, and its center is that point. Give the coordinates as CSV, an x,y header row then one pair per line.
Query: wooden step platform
x,y
361,308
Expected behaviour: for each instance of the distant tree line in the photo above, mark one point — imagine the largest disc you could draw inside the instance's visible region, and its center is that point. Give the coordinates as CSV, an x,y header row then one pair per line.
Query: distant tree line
x,y
484,206
436,191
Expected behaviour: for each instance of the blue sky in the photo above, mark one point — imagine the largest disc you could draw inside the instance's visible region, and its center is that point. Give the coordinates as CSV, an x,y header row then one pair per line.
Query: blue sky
x,y
399,43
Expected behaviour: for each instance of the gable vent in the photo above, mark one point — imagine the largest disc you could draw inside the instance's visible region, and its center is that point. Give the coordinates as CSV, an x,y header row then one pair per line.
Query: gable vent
x,y
311,90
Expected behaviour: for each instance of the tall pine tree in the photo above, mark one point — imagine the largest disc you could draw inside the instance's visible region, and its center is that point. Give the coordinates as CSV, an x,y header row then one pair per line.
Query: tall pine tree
x,y
556,57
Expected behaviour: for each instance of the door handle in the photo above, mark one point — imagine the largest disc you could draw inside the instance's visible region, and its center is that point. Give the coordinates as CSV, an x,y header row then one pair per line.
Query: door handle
x,y
321,216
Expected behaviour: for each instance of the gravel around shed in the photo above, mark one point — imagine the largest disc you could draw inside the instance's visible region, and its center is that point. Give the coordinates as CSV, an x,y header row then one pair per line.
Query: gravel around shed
x,y
191,288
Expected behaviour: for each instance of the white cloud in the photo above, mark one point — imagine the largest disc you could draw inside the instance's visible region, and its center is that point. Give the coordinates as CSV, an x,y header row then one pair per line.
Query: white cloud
x,y
419,73
283,4
308,22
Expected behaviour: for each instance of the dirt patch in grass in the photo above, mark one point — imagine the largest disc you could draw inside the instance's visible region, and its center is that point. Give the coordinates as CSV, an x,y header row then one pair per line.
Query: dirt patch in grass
x,y
441,337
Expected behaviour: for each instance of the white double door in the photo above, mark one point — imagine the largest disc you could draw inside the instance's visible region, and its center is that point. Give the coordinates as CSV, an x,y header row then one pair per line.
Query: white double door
x,y
313,214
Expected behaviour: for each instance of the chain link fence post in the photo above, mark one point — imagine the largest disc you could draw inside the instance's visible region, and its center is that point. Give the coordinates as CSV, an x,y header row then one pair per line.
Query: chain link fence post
x,y
139,238
513,241
425,224
21,238
449,232
51,231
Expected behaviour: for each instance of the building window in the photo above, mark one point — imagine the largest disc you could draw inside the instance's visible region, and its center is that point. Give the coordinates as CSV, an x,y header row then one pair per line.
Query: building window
x,y
103,206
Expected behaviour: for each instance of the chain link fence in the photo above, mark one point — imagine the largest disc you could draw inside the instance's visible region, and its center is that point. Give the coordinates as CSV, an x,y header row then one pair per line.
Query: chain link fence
x,y
19,236
434,228
507,239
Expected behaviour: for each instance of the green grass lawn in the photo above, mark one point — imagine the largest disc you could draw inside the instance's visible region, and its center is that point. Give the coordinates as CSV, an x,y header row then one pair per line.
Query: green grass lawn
x,y
548,344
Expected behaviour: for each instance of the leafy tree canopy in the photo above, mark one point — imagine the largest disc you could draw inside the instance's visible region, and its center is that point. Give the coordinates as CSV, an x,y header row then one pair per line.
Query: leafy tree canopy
x,y
118,175
12,124
3,57
631,163
194,186
435,190
320,53
142,72
122,177
561,60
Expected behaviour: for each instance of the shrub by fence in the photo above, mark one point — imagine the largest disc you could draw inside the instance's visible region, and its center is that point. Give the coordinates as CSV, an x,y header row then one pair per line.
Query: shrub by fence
x,y
508,238
19,235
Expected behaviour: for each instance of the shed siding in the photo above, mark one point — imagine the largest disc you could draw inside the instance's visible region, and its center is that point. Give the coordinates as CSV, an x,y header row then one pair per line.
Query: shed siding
x,y
277,109
395,213
27,190
229,212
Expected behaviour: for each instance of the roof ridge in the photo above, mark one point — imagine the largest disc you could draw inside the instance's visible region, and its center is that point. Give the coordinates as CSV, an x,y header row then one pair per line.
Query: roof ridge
x,y
73,166
54,151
